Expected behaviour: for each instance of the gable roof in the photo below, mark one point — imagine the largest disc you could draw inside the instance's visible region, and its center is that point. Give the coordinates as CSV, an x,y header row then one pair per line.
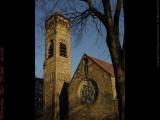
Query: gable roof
x,y
104,65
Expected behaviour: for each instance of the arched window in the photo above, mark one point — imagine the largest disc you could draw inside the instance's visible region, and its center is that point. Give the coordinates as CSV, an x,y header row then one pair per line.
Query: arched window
x,y
63,49
50,49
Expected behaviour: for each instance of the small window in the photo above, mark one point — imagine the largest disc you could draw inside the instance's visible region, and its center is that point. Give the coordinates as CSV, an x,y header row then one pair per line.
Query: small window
x,y
63,50
50,49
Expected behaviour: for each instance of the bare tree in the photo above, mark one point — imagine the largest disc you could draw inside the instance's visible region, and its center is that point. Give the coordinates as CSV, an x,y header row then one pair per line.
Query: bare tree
x,y
101,13
111,23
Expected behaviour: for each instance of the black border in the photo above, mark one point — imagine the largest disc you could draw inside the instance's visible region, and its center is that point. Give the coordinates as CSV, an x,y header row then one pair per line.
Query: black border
x,y
19,59
141,68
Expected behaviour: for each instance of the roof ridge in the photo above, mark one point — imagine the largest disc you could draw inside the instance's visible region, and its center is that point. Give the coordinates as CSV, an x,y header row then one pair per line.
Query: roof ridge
x,y
108,67
100,60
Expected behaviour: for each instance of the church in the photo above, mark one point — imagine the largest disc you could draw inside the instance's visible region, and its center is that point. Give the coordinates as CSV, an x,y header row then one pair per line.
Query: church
x,y
89,94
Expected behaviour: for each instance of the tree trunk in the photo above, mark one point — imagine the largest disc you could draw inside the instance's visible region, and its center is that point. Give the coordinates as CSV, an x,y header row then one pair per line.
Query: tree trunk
x,y
120,86
117,61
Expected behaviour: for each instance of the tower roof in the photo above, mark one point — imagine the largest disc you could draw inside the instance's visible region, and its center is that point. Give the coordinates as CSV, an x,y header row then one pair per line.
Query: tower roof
x,y
57,13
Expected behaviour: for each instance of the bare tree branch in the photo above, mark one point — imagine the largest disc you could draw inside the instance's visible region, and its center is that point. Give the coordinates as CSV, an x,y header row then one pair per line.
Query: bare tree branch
x,y
116,17
95,11
98,27
108,13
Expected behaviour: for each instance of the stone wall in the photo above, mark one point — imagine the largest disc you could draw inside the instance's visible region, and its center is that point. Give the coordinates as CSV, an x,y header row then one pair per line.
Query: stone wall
x,y
105,106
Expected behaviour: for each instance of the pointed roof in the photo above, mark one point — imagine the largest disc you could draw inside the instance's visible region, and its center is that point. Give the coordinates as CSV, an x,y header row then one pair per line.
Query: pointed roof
x,y
104,65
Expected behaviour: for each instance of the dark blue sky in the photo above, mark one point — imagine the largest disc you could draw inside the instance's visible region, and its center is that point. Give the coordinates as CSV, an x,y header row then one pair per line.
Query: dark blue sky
x,y
92,43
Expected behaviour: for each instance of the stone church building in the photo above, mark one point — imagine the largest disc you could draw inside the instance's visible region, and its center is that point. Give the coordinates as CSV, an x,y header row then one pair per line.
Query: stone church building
x,y
89,94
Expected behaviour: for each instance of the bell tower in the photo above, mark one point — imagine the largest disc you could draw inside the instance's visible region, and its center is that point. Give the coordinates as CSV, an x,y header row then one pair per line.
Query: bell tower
x,y
57,64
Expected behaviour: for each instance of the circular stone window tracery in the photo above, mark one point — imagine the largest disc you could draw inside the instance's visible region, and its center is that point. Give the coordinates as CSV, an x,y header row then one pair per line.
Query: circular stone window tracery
x,y
88,91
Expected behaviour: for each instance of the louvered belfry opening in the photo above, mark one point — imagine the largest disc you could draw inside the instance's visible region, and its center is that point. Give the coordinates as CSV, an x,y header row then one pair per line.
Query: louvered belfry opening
x,y
63,50
50,50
